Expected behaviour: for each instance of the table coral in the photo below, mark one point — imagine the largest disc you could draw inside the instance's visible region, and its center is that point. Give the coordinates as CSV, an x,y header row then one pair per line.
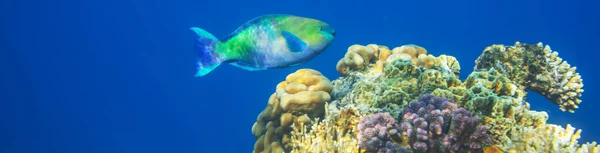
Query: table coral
x,y
435,110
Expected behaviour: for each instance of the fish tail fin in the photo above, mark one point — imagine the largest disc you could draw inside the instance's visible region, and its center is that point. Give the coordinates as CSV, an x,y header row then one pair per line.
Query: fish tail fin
x,y
207,54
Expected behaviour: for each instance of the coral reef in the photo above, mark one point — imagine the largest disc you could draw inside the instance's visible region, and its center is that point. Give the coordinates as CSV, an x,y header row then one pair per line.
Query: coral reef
x,y
406,100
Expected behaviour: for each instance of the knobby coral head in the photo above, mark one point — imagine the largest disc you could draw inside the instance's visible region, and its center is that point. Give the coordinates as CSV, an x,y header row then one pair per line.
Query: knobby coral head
x,y
376,130
437,124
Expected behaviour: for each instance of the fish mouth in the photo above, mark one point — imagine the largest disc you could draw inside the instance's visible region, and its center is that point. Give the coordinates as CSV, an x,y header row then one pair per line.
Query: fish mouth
x,y
328,29
329,35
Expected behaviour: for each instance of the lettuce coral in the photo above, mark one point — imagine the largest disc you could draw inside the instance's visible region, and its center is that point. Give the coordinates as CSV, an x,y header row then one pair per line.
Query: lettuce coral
x,y
406,100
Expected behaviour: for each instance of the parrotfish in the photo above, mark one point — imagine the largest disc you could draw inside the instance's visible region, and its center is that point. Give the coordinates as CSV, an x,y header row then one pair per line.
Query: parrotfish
x,y
265,42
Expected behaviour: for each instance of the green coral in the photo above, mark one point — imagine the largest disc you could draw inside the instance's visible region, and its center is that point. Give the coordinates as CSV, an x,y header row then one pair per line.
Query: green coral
x,y
454,93
401,68
432,79
500,102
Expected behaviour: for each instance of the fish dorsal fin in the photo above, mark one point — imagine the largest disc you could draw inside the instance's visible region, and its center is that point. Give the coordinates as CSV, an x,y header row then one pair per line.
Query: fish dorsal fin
x,y
294,43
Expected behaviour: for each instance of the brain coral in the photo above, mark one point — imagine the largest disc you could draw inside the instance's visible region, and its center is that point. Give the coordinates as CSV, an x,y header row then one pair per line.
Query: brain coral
x,y
406,100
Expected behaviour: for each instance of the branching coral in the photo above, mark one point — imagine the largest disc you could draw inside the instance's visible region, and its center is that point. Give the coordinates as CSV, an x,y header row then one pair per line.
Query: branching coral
x,y
336,133
437,124
537,68
548,139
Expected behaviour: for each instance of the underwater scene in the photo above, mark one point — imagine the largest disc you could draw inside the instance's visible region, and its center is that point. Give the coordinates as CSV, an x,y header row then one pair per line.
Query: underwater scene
x,y
290,76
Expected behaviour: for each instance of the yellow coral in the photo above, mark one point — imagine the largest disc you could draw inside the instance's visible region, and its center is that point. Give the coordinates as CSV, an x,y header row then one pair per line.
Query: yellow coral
x,y
384,53
355,59
304,90
423,60
396,56
375,57
336,133
492,149
448,63
411,49
548,139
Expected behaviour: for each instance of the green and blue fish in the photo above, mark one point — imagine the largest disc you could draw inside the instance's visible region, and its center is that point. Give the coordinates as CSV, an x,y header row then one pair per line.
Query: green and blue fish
x,y
265,42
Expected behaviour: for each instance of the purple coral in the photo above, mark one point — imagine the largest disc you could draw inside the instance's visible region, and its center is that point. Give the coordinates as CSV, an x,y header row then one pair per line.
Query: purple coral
x,y
392,148
470,136
436,124
376,132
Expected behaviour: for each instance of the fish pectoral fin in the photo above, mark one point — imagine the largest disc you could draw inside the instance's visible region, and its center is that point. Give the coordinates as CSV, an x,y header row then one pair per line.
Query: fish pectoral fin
x,y
294,43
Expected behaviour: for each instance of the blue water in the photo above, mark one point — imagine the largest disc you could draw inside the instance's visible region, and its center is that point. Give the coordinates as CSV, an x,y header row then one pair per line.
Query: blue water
x,y
116,76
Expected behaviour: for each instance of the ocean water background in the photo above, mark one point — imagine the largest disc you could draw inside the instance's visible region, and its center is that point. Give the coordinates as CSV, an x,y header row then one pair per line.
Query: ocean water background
x,y
116,76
